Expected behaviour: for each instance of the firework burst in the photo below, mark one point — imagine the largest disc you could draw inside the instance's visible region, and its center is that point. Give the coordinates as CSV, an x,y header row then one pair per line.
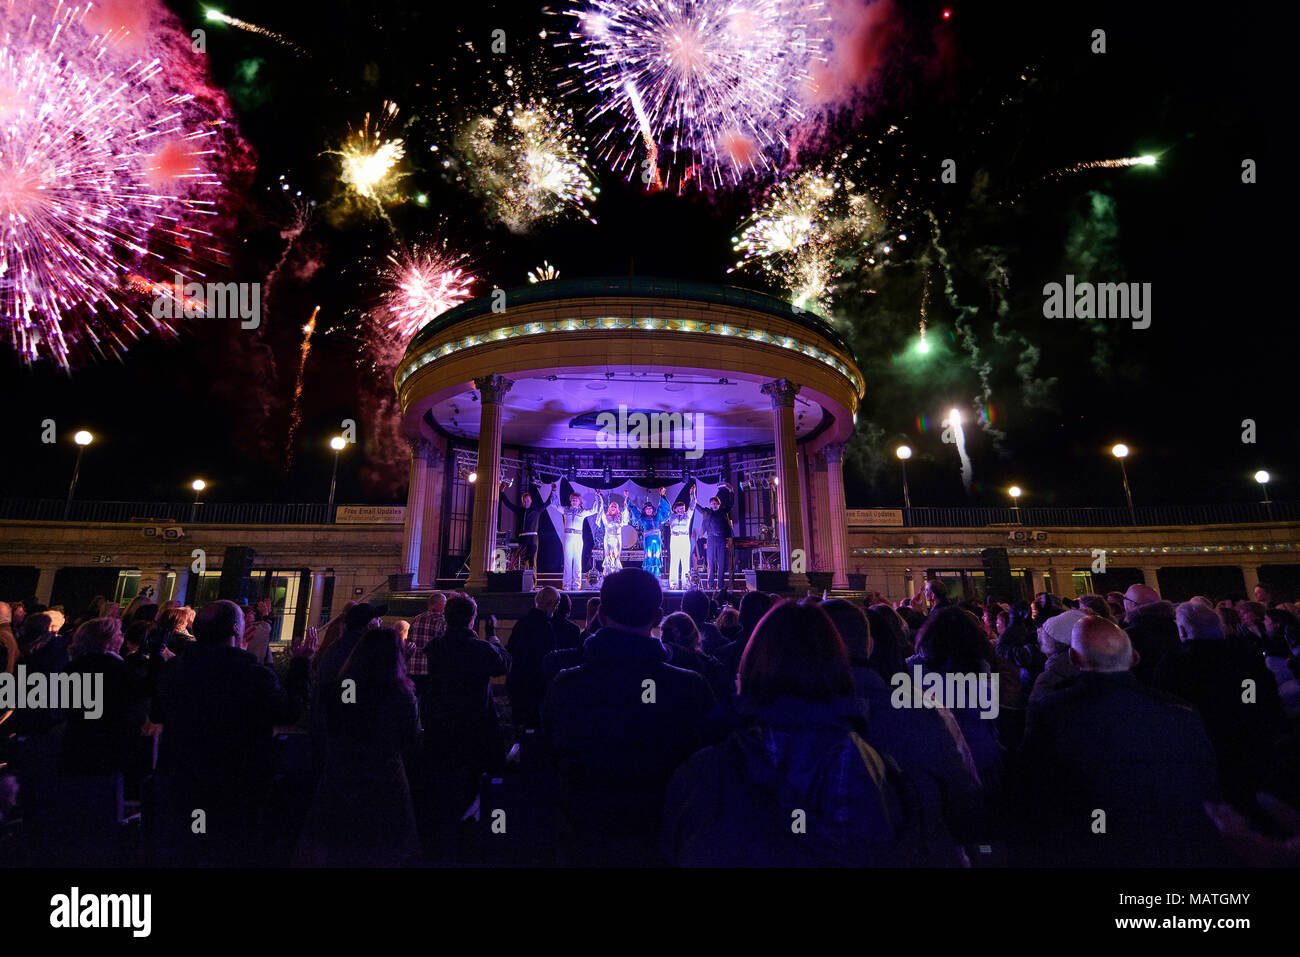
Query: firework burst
x,y
369,159
543,273
723,80
422,284
527,163
797,237
103,166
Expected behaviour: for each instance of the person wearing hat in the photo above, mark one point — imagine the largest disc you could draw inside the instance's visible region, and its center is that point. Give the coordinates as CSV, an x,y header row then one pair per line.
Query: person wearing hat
x,y
1054,641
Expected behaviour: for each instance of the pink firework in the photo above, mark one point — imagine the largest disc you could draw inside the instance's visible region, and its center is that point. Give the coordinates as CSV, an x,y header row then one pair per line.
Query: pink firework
x,y
107,145
423,284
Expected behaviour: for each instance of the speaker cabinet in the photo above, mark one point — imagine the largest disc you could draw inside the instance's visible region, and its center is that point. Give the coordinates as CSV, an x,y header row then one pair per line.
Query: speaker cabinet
x,y
998,582
768,580
236,572
518,580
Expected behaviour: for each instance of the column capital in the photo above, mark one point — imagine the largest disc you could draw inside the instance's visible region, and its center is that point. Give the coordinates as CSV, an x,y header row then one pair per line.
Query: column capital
x,y
782,392
818,460
493,388
834,452
418,445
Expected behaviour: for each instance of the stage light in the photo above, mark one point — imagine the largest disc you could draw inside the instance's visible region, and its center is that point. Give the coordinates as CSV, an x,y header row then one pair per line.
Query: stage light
x,y
471,478
609,475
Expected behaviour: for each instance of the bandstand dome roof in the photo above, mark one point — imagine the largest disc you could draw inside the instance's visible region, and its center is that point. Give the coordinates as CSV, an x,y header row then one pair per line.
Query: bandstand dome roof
x,y
574,348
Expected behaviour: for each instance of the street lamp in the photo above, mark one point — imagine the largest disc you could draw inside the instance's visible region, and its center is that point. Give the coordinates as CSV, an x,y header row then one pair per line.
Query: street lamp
x,y
1262,477
1120,451
198,485
1015,492
82,438
904,453
338,443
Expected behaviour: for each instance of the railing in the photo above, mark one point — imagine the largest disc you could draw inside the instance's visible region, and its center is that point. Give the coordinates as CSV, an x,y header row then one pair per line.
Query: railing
x,y
173,513
318,513
1115,516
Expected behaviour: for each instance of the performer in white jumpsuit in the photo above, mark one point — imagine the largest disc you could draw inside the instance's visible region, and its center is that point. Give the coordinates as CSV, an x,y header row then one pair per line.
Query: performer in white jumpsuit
x,y
573,518
679,543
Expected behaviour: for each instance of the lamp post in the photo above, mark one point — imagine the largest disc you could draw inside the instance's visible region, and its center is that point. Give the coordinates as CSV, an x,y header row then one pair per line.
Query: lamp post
x,y
82,438
337,444
198,485
904,453
1262,477
1120,452
1015,492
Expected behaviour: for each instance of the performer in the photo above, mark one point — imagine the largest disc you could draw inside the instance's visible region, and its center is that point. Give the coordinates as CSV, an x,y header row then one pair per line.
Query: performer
x,y
717,528
679,551
649,521
528,514
573,518
611,521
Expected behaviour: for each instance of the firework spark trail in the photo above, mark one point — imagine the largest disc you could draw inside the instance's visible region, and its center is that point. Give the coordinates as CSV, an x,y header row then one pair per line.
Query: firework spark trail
x,y
1121,163
959,439
722,79
647,135
295,417
528,163
297,226
102,158
284,41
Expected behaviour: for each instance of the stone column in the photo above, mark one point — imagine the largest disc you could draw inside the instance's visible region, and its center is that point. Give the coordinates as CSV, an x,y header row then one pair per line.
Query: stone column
x,y
315,599
1250,575
183,576
805,509
435,490
838,519
790,516
492,391
45,584
1063,580
821,504
412,531
1150,575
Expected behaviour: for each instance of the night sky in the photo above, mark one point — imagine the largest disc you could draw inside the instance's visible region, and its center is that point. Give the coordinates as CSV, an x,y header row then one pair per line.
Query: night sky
x,y
1010,91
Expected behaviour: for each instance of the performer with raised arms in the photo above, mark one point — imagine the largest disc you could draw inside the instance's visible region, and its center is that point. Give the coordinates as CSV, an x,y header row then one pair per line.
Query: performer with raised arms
x,y
649,521
573,517
528,513
679,542
611,521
